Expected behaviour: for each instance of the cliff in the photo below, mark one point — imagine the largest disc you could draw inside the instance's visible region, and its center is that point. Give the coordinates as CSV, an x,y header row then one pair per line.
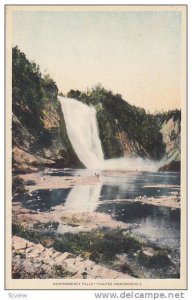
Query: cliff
x,y
38,128
127,130
171,131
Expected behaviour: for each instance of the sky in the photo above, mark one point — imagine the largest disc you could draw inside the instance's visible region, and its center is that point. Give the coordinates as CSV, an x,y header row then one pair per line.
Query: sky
x,y
134,53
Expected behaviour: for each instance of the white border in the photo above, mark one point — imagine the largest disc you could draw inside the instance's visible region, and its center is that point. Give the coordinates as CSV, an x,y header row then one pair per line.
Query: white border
x,y
89,294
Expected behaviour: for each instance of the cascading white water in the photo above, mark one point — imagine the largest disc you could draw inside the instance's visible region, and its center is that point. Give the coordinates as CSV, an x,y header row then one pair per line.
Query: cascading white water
x,y
81,124
82,130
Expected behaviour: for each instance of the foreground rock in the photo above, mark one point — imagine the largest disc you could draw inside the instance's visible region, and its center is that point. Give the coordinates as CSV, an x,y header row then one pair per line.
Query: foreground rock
x,y
173,166
35,261
26,162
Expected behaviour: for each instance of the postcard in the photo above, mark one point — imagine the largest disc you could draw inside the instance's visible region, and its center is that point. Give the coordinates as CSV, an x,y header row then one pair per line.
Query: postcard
x,y
96,104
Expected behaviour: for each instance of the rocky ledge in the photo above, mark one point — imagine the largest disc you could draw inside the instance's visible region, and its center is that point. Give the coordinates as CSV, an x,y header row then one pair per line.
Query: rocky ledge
x,y
32,260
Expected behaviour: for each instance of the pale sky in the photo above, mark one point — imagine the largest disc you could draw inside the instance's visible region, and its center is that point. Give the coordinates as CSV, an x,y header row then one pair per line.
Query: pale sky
x,y
136,54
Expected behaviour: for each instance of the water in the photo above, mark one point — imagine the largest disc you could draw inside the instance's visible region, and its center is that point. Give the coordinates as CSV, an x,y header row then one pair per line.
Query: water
x,y
130,186
158,225
83,198
113,195
82,129
43,200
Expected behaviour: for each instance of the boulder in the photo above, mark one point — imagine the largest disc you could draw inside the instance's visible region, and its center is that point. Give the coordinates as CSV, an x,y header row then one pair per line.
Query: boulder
x,y
63,257
71,268
147,253
19,243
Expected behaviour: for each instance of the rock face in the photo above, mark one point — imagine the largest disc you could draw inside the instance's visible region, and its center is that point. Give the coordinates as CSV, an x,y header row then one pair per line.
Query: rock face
x,y
130,147
38,127
35,261
29,162
134,133
125,130
171,131
174,166
48,148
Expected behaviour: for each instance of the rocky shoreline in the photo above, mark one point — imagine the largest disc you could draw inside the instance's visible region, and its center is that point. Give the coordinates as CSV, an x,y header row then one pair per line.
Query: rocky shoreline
x,y
42,240
32,260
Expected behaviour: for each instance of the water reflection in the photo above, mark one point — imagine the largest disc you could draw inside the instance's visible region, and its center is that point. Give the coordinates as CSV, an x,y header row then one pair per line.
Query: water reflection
x,y
158,224
43,200
83,198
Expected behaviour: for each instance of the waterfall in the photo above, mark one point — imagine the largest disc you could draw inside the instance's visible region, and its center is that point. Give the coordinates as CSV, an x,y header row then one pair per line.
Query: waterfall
x,y
82,129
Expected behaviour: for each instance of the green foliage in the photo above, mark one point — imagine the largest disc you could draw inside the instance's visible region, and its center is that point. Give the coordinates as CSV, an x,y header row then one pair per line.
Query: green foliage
x,y
30,91
102,246
30,182
74,94
46,226
107,131
165,116
18,185
60,272
31,235
49,88
26,81
84,98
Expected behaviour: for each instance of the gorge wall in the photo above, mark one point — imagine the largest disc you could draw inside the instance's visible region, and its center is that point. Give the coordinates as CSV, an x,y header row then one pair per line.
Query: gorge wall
x,y
38,128
171,131
40,137
128,131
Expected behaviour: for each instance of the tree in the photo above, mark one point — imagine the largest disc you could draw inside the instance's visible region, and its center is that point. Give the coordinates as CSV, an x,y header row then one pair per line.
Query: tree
x,y
75,94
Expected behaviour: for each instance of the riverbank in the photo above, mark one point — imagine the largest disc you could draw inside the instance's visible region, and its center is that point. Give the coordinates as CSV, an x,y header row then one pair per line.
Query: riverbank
x,y
92,235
